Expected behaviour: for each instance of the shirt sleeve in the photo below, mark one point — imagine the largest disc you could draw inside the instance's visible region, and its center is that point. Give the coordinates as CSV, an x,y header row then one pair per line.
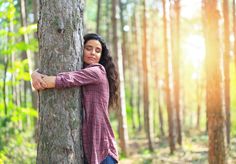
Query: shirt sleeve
x,y
89,75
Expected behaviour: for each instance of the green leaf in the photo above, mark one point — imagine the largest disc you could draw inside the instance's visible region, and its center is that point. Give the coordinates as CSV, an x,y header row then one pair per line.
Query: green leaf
x,y
28,29
29,112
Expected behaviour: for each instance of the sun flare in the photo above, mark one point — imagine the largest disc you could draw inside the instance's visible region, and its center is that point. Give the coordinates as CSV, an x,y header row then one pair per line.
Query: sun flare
x,y
194,50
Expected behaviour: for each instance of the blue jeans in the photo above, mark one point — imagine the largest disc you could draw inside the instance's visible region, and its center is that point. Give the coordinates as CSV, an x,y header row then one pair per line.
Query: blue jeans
x,y
109,160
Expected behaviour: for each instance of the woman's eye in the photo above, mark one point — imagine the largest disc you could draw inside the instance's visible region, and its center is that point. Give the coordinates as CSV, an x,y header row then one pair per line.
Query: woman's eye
x,y
88,48
98,50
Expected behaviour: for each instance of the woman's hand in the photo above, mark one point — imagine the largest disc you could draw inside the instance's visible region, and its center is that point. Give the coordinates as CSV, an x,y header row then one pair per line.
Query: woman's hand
x,y
37,81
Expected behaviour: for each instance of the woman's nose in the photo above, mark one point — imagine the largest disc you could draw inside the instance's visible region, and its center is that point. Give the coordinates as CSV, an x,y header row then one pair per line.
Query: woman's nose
x,y
93,52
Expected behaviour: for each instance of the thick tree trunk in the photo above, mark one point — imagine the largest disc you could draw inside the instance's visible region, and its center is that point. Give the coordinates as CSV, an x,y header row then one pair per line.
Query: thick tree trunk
x,y
215,117
60,49
227,68
167,87
123,131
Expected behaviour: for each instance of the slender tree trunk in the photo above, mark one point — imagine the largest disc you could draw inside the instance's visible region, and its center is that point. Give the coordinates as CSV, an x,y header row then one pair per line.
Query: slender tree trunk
x,y
167,87
23,84
227,68
123,133
175,34
60,49
6,62
234,31
215,117
98,16
198,104
124,36
138,59
108,21
145,62
35,61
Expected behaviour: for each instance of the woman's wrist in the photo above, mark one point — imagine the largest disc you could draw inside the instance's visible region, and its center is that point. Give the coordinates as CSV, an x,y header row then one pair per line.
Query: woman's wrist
x,y
50,81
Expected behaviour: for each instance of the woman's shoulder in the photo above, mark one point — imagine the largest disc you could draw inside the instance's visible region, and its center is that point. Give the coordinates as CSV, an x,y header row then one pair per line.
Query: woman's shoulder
x,y
95,66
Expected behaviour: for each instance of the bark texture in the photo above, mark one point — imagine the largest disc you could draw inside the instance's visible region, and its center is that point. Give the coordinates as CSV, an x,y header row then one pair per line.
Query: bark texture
x,y
60,112
215,117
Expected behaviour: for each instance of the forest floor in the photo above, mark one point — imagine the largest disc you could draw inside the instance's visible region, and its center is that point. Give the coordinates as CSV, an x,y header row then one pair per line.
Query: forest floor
x,y
193,151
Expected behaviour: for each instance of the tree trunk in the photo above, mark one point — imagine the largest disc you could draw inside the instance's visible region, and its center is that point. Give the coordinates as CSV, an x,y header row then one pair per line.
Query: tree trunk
x,y
234,32
215,117
35,61
108,29
175,37
198,103
226,68
167,87
60,49
145,61
98,16
138,59
123,133
124,36
4,91
24,87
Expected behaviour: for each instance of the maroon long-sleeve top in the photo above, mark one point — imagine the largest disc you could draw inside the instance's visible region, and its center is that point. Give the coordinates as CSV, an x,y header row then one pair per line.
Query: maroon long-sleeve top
x,y
98,137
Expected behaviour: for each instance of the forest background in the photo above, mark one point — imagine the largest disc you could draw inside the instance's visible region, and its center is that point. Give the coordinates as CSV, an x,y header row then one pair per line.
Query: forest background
x,y
165,55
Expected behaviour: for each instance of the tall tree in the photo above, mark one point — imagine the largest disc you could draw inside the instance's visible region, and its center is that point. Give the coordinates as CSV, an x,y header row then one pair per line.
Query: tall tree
x,y
226,68
35,62
215,117
123,133
175,41
138,60
167,80
60,49
234,31
98,16
145,61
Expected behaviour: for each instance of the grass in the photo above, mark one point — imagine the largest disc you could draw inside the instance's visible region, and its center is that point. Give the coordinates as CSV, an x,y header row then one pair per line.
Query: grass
x,y
193,151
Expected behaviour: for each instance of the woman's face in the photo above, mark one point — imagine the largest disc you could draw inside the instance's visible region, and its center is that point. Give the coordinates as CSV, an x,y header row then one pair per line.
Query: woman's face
x,y
92,51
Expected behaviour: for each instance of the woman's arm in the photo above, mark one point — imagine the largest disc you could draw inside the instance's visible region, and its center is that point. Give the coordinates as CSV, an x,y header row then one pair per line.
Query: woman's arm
x,y
41,81
91,75
50,81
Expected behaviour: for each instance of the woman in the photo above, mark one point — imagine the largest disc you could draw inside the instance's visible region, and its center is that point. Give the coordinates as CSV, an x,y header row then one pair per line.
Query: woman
x,y
99,81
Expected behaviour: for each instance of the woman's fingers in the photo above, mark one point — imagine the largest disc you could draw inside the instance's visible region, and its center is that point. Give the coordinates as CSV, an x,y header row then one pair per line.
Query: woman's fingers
x,y
37,85
37,81
43,83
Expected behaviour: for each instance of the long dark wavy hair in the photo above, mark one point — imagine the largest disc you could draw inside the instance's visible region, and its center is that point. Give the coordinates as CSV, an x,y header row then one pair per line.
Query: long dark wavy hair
x,y
107,62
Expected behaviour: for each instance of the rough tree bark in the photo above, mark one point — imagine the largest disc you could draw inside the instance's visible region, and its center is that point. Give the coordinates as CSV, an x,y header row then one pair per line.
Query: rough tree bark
x,y
60,112
215,117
